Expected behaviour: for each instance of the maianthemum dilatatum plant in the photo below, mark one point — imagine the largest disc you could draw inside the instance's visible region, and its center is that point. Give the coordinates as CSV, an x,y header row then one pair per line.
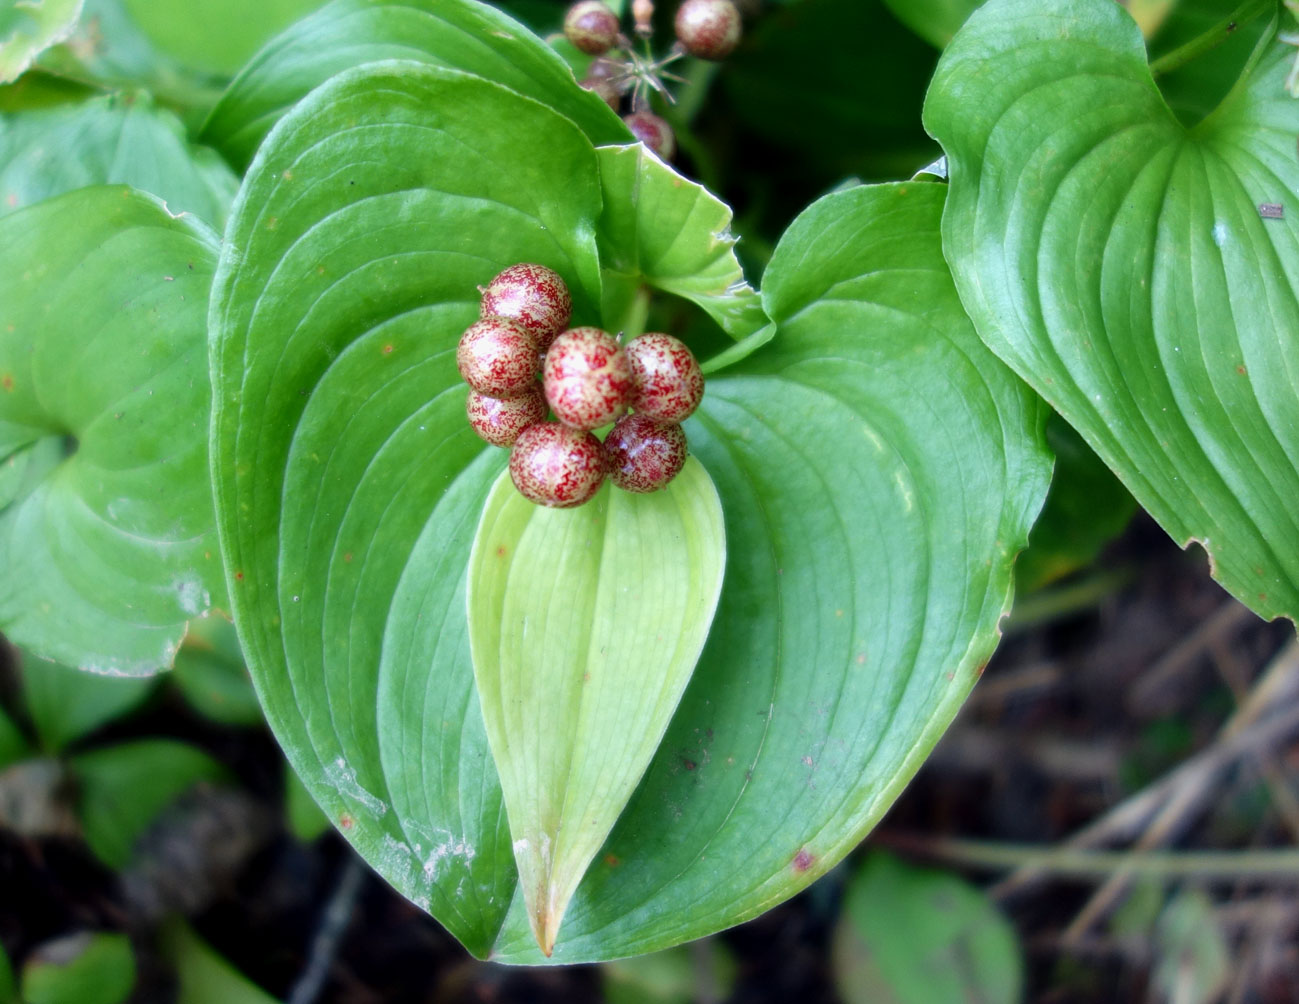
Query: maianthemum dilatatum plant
x,y
583,734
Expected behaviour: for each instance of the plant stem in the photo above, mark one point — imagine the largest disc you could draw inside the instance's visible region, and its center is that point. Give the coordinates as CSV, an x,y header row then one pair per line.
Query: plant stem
x,y
1064,601
1218,866
1211,39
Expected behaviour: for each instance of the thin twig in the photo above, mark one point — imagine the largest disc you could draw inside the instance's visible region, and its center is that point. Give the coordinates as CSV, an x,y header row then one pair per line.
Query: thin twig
x,y
333,924
1251,729
1222,624
1204,866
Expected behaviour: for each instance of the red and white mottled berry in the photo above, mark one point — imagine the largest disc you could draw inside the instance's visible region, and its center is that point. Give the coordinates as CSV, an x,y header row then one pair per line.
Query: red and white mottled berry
x,y
667,384
500,420
533,296
587,378
708,29
591,26
653,132
556,466
497,357
644,455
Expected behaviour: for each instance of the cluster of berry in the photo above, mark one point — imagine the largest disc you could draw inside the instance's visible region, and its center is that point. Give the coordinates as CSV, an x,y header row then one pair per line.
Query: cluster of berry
x,y
587,379
705,29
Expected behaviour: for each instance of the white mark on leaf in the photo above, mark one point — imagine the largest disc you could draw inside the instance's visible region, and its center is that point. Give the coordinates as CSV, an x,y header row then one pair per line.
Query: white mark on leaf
x,y
342,778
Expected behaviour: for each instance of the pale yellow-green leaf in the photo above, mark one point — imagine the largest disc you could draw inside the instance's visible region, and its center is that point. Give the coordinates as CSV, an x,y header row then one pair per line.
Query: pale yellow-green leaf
x,y
585,626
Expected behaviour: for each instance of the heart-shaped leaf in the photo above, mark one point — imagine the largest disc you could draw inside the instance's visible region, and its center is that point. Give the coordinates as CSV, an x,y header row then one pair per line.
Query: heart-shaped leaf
x,y
585,626
665,231
108,543
878,470
457,34
110,141
29,26
1118,261
348,481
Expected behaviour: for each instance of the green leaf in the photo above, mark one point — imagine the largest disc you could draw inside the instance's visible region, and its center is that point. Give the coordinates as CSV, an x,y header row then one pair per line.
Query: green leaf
x,y
936,21
585,626
348,481
80,969
216,38
210,672
878,470
702,971
66,704
8,989
1085,509
306,820
109,545
661,229
835,86
1118,262
13,745
456,34
1194,964
123,788
29,26
916,936
203,976
110,141
107,46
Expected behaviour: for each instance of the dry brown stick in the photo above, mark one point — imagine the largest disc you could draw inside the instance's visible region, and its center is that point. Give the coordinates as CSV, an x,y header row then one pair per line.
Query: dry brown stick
x,y
1250,729
1222,623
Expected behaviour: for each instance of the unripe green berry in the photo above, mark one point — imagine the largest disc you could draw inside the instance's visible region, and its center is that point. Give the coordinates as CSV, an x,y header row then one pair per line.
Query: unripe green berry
x,y
499,421
587,378
591,26
644,455
653,132
497,357
557,466
532,296
708,29
667,384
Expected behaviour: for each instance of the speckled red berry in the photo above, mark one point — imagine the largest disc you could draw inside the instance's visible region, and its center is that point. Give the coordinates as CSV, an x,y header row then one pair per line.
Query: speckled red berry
x,y
591,26
497,357
708,29
500,420
653,132
667,384
587,378
556,466
644,455
532,296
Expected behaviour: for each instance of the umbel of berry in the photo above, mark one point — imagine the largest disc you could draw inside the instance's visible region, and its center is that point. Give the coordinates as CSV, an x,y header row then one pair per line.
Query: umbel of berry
x,y
644,455
557,466
653,132
587,378
500,420
708,29
532,296
591,26
667,384
497,357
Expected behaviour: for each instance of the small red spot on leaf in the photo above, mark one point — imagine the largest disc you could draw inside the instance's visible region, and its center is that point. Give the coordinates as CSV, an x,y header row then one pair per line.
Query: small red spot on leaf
x,y
1241,370
500,551
347,557
803,860
11,200
7,381
387,350
612,860
346,821
239,576
982,667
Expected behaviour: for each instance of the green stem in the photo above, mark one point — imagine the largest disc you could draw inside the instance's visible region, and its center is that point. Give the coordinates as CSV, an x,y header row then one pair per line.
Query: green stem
x,y
1219,866
699,77
1211,39
632,323
1064,601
